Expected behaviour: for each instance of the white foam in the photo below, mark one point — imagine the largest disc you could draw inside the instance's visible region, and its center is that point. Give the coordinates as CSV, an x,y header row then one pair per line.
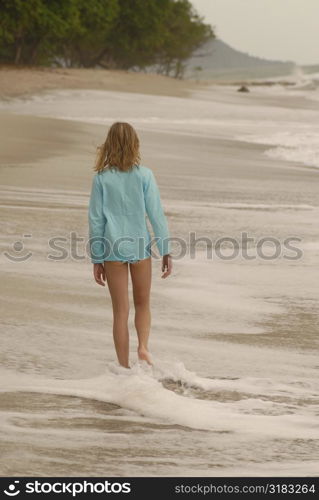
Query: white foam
x,y
249,385
297,145
222,114
140,390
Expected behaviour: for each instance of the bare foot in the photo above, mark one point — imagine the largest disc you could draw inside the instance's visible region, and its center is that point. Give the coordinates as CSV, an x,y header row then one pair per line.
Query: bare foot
x,y
144,355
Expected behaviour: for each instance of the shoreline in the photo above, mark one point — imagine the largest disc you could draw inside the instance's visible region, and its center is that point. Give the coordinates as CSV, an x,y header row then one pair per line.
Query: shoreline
x,y
36,150
251,322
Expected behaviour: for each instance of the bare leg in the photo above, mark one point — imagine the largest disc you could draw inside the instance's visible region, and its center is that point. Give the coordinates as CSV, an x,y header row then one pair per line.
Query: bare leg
x,y
117,279
141,274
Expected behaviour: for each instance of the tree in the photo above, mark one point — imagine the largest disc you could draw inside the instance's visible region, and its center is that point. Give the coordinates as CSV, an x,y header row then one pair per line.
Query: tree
x,y
184,33
137,33
126,34
27,27
197,71
17,18
86,41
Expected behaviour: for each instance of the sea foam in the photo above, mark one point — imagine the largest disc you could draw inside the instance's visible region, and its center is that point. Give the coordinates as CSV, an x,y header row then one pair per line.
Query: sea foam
x,y
140,389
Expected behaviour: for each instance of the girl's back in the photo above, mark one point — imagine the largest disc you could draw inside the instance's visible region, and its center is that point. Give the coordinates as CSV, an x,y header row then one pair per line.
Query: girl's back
x,y
124,191
119,202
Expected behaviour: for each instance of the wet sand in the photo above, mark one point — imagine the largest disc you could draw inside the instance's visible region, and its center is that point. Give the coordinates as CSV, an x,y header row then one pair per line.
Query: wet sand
x,y
247,328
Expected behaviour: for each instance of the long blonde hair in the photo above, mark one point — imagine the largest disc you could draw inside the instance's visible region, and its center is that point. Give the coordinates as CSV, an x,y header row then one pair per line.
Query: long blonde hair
x,y
120,149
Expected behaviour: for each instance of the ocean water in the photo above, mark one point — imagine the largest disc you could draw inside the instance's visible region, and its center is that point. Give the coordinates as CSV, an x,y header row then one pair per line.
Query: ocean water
x,y
234,389
284,117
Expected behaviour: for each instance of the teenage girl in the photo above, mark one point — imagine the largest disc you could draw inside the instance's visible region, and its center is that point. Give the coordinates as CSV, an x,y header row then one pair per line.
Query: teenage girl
x,y
123,193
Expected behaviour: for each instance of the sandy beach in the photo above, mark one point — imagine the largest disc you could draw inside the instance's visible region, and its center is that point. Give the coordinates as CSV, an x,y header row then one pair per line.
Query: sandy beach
x,y
28,81
235,388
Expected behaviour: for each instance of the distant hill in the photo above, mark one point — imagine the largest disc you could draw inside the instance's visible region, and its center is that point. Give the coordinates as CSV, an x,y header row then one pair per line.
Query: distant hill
x,y
311,68
220,61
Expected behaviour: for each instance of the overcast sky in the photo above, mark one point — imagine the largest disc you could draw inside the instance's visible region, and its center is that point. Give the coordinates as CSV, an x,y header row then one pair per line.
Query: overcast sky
x,y
274,29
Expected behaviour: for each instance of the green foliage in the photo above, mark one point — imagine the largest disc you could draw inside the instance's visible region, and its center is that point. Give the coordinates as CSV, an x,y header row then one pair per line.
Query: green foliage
x,y
31,29
87,39
137,32
128,34
184,32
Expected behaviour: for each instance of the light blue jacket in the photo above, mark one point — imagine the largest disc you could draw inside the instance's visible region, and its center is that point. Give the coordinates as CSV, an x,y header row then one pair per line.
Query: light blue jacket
x,y
118,206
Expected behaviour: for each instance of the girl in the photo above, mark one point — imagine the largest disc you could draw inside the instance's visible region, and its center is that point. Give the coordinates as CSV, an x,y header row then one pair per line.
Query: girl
x,y
123,192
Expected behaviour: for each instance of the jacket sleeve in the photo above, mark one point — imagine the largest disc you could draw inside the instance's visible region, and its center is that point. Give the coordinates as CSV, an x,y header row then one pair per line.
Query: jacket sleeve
x,y
156,214
97,222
